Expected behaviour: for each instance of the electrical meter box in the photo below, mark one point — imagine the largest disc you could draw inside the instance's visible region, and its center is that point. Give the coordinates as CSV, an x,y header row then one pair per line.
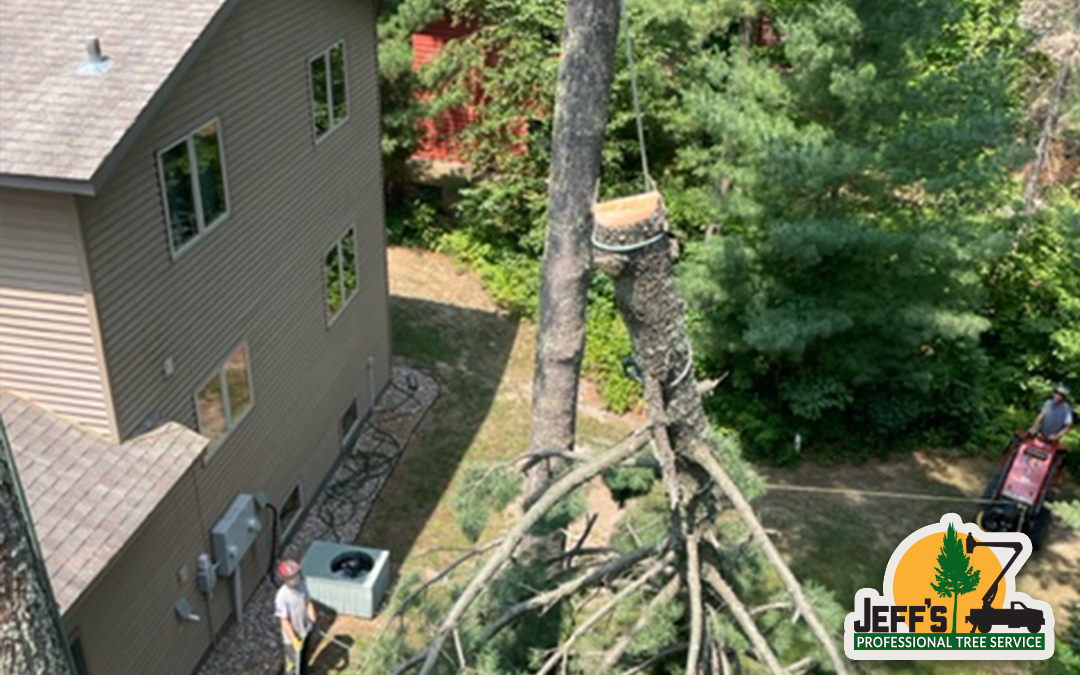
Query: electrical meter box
x,y
235,534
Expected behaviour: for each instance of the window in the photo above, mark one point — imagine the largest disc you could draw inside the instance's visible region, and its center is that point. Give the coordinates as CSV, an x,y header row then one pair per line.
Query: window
x,y
350,421
329,98
193,183
223,401
339,273
289,513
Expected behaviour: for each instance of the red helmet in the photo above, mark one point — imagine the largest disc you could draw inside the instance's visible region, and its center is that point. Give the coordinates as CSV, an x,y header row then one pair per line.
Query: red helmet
x,y
287,569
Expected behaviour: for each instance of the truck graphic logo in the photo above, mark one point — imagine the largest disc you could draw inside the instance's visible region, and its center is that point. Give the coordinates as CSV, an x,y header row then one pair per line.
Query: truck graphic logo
x,y
949,593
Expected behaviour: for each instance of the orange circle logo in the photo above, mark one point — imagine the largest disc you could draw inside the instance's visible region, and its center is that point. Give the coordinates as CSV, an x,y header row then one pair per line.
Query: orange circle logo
x,y
917,571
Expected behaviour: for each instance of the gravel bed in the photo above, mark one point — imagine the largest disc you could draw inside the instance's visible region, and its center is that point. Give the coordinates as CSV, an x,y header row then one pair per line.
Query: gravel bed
x,y
253,647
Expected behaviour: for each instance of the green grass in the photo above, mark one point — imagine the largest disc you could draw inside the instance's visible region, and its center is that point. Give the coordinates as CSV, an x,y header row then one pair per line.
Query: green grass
x,y
483,362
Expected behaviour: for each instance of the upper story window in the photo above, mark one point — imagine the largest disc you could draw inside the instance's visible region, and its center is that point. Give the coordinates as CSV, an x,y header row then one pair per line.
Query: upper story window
x,y
329,98
193,182
223,401
339,273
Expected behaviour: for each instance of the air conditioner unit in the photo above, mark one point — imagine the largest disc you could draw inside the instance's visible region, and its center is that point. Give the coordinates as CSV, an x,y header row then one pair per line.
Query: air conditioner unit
x,y
348,579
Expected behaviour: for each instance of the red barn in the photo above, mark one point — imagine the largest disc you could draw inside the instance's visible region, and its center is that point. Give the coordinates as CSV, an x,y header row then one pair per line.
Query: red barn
x,y
440,141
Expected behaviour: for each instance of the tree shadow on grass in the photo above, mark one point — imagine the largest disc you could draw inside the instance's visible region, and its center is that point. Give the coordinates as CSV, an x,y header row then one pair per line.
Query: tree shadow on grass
x,y
467,350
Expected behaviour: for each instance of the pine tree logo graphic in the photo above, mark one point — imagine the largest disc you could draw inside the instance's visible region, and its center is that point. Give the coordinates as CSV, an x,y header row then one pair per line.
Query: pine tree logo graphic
x,y
954,574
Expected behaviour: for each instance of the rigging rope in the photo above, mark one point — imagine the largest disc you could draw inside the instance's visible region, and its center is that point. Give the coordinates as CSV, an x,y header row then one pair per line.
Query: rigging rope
x,y
785,487
649,184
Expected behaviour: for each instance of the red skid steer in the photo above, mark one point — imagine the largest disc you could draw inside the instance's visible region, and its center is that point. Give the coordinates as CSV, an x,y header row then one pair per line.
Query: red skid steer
x,y
1015,498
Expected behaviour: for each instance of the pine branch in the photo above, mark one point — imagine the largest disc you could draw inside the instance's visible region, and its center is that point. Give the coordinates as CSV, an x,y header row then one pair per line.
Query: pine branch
x,y
665,596
407,602
555,492
563,652
708,461
543,601
742,617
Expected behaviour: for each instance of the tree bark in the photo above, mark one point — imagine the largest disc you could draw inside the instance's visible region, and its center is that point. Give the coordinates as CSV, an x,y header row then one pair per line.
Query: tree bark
x,y
581,114
1042,147
32,641
632,245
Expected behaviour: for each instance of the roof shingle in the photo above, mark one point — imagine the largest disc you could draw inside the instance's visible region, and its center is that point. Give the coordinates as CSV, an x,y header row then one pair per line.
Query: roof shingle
x,y
88,497
58,123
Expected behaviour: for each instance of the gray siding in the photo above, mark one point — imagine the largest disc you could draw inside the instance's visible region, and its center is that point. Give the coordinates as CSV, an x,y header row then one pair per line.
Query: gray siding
x,y
50,350
124,620
256,278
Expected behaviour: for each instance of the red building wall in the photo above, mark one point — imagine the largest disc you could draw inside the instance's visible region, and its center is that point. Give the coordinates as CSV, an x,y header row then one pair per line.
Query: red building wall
x,y
441,133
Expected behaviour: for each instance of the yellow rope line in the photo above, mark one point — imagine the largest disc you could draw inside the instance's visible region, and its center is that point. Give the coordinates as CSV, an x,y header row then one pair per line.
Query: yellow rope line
x,y
874,493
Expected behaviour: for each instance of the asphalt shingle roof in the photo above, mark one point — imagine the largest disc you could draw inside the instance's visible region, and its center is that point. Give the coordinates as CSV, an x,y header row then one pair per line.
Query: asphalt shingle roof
x,y
59,123
88,497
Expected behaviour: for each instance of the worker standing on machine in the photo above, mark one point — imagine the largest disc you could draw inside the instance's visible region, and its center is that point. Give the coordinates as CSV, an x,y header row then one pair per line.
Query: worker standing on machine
x,y
296,613
1056,417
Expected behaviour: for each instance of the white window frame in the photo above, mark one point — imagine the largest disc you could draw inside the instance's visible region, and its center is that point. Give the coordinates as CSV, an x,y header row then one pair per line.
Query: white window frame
x,y
345,300
230,423
325,55
201,225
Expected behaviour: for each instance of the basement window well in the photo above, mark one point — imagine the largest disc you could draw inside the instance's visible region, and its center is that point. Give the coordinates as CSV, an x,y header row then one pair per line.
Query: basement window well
x,y
289,513
350,425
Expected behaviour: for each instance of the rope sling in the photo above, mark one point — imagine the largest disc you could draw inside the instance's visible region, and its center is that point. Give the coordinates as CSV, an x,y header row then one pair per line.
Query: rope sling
x,y
628,210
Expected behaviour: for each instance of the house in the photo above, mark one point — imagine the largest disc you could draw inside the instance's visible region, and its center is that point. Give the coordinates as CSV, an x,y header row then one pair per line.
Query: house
x,y
193,296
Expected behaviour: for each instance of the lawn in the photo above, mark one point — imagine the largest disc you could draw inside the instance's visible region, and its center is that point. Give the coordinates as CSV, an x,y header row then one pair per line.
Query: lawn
x,y
444,323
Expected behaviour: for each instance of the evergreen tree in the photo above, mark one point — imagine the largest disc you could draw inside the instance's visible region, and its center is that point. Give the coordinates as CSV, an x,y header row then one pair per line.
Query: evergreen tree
x,y
32,634
954,573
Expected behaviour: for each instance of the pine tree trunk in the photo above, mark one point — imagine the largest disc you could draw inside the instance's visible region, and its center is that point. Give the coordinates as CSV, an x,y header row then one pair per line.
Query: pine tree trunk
x,y
634,251
1046,137
955,599
655,315
31,642
581,113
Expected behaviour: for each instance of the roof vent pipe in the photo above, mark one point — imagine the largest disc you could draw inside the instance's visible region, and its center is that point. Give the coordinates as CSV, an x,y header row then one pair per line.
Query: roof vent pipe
x,y
96,63
93,50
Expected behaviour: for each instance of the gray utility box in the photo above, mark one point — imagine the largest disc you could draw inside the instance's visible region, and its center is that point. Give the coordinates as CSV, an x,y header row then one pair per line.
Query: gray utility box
x,y
350,580
235,533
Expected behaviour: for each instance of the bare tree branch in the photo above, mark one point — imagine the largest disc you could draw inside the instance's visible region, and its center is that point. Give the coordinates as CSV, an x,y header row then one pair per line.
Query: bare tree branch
x,y
1042,147
666,595
693,583
665,653
563,652
555,492
543,600
589,524
707,459
761,609
743,618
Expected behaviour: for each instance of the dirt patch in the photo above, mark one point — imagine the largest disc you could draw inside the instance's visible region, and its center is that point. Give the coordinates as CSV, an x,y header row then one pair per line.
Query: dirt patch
x,y
415,273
